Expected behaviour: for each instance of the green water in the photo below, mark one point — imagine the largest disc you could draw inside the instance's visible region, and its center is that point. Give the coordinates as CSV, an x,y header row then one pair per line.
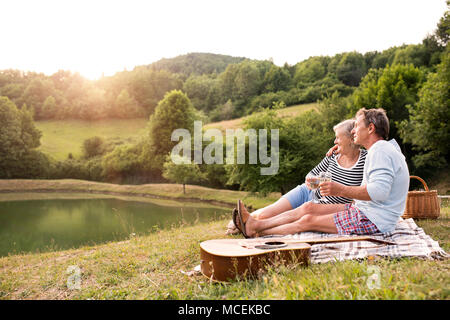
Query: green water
x,y
46,225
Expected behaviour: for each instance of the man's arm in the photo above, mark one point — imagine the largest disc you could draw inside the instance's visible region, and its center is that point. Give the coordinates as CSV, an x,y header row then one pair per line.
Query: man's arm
x,y
338,189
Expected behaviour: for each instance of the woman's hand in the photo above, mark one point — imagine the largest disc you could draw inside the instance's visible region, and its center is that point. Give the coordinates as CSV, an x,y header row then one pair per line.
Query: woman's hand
x,y
331,188
332,150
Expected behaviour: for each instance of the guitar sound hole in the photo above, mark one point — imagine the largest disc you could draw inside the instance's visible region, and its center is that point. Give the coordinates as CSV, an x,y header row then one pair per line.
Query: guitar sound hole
x,y
275,243
272,245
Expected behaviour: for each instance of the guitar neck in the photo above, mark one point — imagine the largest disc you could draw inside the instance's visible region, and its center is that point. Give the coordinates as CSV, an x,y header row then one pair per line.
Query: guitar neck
x,y
332,240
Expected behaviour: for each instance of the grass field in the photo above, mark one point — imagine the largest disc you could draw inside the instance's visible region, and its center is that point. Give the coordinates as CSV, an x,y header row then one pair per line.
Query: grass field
x,y
237,123
149,267
61,137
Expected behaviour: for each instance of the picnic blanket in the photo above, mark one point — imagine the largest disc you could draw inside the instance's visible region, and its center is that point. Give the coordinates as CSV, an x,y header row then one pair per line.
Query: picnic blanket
x,y
411,241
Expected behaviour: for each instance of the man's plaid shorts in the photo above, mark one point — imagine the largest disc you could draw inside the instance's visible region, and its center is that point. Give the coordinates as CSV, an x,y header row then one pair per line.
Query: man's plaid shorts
x,y
352,221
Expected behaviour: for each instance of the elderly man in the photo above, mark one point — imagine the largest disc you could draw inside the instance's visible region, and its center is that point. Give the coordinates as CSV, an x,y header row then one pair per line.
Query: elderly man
x,y
379,201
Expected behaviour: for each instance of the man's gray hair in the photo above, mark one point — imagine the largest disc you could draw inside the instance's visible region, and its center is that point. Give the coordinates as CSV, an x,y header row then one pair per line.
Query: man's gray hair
x,y
378,118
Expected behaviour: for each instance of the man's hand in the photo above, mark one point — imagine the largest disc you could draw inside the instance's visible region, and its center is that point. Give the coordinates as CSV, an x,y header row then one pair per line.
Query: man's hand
x,y
307,182
331,188
332,150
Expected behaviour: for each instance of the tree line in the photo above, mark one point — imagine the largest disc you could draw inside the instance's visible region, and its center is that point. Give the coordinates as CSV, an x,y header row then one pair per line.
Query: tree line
x,y
222,87
410,82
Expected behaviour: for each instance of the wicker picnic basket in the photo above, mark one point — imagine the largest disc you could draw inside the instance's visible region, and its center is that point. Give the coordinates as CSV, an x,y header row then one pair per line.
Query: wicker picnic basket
x,y
422,204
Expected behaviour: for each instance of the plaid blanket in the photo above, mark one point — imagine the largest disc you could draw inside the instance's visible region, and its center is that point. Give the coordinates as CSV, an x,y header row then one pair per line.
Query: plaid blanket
x,y
411,241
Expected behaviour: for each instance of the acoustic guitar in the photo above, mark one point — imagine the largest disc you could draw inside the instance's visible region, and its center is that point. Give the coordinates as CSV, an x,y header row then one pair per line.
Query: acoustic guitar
x,y
228,259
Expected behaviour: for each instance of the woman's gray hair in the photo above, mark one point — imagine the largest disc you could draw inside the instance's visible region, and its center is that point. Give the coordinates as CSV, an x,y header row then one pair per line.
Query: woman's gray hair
x,y
346,126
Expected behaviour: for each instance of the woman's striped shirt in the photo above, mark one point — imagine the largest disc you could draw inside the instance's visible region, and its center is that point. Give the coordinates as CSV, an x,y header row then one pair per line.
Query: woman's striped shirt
x,y
347,176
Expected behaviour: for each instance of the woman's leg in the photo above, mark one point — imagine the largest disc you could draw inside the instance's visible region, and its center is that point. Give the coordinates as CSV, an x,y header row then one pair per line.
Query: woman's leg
x,y
274,209
280,206
254,226
291,200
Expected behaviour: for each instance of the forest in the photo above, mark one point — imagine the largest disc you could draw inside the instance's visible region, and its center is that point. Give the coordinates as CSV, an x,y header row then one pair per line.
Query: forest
x,y
410,81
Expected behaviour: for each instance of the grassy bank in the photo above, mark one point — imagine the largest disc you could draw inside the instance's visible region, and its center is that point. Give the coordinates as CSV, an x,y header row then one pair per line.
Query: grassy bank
x,y
149,267
225,198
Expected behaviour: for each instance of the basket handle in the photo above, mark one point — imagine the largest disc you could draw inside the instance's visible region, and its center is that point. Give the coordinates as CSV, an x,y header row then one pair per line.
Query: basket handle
x,y
421,180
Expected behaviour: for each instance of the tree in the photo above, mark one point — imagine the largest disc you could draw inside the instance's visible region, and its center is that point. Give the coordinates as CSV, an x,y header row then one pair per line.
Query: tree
x,y
433,50
240,82
201,91
247,82
332,110
12,90
35,94
195,63
311,70
443,28
11,144
30,135
351,68
427,127
415,54
436,42
301,147
18,138
277,79
223,112
182,171
126,106
175,111
93,147
148,86
384,58
122,163
49,108
392,89
93,104
227,83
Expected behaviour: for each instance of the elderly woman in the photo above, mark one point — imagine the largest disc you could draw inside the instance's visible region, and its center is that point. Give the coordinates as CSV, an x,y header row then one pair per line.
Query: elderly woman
x,y
346,167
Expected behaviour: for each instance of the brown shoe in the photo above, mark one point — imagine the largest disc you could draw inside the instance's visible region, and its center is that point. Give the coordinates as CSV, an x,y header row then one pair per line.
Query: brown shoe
x,y
241,219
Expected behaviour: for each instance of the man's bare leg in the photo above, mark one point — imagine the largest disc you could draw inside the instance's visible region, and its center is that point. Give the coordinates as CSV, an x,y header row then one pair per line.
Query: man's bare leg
x,y
308,222
254,226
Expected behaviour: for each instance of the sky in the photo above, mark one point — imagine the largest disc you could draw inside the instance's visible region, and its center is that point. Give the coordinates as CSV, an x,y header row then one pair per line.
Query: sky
x,y
98,37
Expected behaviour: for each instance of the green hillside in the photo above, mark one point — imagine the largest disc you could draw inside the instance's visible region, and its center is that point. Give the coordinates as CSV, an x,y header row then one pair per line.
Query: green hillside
x,y
237,123
195,63
61,137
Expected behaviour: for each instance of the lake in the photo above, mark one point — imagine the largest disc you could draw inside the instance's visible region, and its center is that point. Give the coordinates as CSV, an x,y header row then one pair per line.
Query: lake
x,y
58,224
